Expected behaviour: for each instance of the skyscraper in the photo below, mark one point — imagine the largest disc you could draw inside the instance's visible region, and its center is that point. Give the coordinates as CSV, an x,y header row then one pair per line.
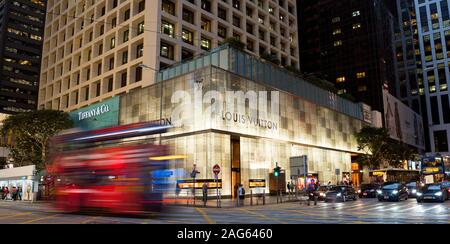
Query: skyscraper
x,y
349,43
433,28
21,35
94,50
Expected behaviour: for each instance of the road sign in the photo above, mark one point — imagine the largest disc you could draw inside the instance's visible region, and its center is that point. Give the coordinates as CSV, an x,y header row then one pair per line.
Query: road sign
x,y
216,169
298,166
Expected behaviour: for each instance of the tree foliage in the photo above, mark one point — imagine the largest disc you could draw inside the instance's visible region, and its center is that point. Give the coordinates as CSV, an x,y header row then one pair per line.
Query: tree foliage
x,y
271,58
234,42
32,132
378,148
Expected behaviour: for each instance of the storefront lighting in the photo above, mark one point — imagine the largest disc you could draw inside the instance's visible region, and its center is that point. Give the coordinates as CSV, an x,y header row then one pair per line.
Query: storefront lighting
x,y
170,157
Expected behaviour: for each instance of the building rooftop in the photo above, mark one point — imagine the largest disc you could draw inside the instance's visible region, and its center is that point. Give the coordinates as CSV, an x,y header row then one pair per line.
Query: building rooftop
x,y
256,69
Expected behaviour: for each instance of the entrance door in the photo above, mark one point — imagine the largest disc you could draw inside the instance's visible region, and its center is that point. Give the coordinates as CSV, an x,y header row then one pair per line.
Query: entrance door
x,y
235,165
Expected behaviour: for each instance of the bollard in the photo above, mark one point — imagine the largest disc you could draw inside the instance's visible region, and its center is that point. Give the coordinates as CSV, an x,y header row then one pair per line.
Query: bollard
x,y
264,197
251,197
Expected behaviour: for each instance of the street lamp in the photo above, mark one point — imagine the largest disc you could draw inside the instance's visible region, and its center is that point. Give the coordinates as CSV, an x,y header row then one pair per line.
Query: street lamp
x,y
143,66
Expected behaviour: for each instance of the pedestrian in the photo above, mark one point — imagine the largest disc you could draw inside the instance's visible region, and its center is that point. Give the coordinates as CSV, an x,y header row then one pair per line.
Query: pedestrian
x,y
289,187
2,192
19,193
205,193
6,192
14,193
241,192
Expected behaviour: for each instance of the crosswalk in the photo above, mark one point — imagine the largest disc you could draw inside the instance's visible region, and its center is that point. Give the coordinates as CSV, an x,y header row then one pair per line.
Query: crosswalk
x,y
357,212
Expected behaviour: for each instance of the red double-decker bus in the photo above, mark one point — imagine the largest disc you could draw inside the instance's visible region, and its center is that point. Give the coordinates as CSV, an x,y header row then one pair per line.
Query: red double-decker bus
x,y
105,169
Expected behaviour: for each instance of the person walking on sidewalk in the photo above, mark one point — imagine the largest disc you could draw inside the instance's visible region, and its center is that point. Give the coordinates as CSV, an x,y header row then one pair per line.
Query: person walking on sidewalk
x,y
205,193
241,193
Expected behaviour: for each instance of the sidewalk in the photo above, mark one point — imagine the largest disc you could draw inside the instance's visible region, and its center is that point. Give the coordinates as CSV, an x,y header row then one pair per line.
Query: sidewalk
x,y
231,203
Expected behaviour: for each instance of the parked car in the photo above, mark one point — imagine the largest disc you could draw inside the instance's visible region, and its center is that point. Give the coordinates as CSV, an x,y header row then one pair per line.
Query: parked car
x,y
433,192
368,190
341,193
412,189
393,191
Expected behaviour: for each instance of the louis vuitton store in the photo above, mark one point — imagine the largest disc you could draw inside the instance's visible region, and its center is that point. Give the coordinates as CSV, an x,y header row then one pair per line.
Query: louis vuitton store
x,y
231,109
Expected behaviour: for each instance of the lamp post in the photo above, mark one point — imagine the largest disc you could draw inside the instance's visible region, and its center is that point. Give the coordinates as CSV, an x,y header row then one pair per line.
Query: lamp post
x,y
143,66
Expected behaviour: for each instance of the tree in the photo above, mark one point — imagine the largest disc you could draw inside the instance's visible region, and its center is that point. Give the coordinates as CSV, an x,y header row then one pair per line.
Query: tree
x,y
32,132
378,147
373,142
398,152
234,42
271,58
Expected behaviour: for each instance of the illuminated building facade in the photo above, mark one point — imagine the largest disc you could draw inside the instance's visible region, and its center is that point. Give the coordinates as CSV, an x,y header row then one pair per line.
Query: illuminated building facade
x,y
96,49
276,117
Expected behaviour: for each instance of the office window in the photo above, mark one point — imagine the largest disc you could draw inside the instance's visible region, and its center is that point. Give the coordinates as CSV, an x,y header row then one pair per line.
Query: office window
x,y
110,84
336,19
125,57
138,74
361,75
356,25
340,79
187,36
205,24
113,43
126,15
206,44
222,31
141,6
356,13
140,28
338,43
123,80
167,50
168,7
188,16
167,28
126,35
139,50
441,141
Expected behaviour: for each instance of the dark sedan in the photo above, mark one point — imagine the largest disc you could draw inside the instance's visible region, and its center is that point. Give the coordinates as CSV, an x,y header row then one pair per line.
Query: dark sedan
x,y
341,193
433,192
320,192
368,190
393,192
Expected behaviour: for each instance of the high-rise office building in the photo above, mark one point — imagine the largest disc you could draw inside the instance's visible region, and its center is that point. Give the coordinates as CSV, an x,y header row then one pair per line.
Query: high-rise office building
x,y
349,43
94,50
21,36
433,33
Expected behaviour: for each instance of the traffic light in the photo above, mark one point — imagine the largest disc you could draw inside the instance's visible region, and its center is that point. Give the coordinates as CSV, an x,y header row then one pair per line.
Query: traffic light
x,y
276,171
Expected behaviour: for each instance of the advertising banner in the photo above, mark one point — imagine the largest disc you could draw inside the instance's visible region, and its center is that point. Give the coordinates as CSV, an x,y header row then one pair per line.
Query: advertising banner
x,y
403,123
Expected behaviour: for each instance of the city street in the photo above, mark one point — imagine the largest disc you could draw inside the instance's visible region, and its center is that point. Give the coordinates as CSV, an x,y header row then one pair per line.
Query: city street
x,y
363,211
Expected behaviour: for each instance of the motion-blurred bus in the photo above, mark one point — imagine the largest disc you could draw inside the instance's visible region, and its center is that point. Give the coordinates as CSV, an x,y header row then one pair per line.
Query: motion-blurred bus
x,y
106,169
432,169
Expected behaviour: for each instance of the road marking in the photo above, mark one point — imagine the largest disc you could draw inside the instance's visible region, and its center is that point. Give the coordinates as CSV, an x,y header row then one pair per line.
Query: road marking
x,y
15,215
90,220
262,216
34,220
205,216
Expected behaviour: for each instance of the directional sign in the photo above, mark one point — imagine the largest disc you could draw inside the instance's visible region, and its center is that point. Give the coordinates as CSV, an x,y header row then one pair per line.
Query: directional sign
x,y
216,169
